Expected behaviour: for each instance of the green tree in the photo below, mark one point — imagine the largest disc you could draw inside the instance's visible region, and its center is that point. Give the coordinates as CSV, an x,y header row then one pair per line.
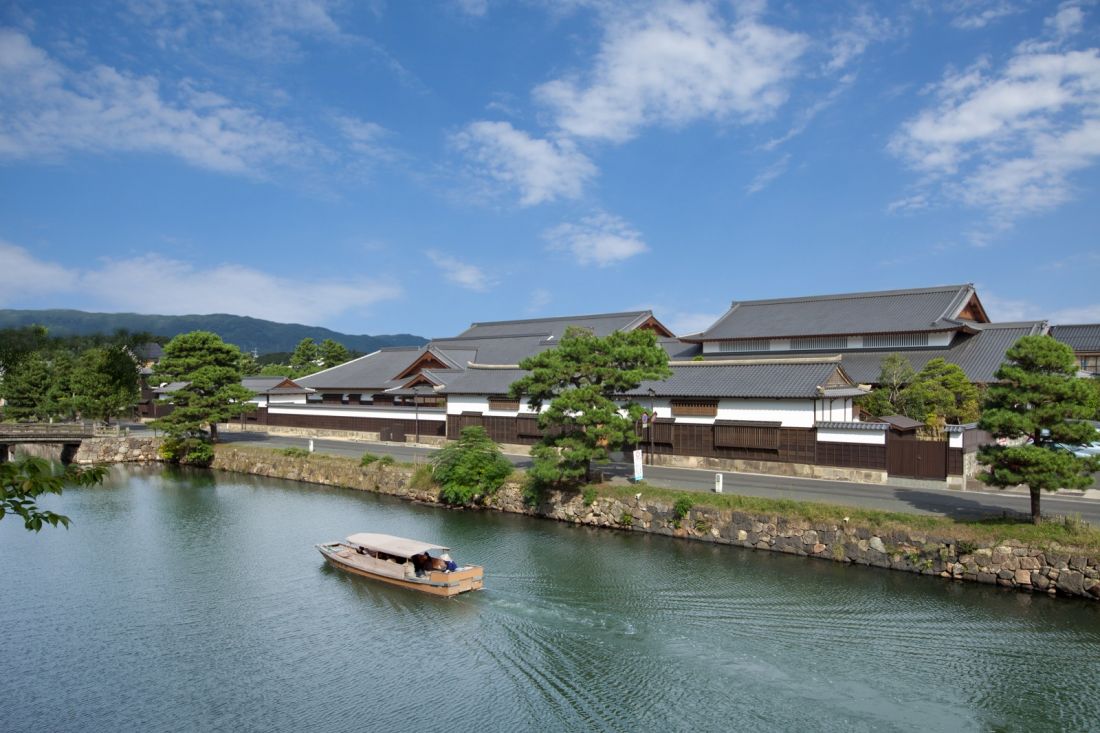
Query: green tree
x,y
896,373
1038,397
211,371
250,367
37,387
332,353
940,391
23,481
305,357
581,380
104,382
470,467
18,343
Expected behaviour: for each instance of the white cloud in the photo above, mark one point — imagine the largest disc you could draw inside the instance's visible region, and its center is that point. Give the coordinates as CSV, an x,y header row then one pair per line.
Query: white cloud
x,y
259,29
1068,21
542,170
153,283
1009,141
850,42
473,7
600,239
460,273
51,109
23,275
683,324
769,174
907,204
363,137
674,64
977,14
540,298
1012,309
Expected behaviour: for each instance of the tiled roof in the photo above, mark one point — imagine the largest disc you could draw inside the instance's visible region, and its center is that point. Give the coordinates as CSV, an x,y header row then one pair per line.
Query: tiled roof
x,y
887,311
756,378
1082,338
600,323
372,371
979,354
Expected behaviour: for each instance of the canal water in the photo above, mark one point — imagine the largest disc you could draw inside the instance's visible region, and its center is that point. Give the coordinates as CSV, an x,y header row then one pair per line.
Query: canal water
x,y
196,601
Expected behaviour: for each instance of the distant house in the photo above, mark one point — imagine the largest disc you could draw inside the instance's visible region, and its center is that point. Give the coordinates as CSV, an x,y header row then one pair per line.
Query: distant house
x,y
1084,339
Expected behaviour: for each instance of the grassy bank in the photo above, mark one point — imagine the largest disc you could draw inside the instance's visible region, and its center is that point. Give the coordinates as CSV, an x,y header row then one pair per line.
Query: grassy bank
x,y
1068,532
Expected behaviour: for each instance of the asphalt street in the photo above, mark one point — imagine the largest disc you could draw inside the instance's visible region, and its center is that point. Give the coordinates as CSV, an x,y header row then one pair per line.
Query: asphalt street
x,y
912,499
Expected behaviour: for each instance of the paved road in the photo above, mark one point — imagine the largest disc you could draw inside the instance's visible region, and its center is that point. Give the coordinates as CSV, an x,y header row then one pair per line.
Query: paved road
x,y
920,500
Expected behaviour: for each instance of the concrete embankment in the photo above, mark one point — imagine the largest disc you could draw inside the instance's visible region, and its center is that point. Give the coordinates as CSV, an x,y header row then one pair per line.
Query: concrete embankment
x,y
1009,563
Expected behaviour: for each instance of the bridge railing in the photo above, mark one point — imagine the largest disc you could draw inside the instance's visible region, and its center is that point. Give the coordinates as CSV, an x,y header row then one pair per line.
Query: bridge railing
x,y
43,431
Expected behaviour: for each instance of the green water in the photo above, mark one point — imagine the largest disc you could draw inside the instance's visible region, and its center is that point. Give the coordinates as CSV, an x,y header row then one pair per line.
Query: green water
x,y
198,602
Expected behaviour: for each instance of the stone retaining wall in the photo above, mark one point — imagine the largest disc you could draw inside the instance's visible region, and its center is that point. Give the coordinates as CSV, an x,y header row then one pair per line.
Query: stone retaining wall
x,y
1010,565
120,449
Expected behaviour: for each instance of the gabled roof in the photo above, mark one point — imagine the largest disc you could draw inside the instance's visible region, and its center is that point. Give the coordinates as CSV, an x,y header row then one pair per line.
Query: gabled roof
x,y
978,354
601,324
372,371
1082,338
950,307
273,385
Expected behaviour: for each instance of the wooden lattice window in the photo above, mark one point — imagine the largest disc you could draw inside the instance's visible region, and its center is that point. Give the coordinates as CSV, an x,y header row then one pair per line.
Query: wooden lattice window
x,y
746,436
694,408
503,403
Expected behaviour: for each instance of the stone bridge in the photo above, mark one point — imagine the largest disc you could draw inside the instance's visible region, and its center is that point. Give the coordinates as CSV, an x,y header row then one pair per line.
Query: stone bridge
x,y
49,440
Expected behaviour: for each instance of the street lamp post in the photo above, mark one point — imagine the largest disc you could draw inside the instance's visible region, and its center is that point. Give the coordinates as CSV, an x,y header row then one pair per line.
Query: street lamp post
x,y
416,406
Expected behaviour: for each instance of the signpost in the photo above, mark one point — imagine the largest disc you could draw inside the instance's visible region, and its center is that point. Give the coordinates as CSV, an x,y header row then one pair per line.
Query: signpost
x,y
718,483
638,475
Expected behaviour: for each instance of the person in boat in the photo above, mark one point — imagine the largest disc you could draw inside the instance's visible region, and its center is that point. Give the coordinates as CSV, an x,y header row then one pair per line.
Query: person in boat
x,y
421,563
449,565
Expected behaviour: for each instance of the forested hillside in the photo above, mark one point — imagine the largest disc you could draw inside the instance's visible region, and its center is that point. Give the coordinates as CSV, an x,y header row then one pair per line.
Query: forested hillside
x,y
247,333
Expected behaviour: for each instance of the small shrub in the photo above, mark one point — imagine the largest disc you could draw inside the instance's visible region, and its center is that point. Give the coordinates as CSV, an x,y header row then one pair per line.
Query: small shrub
x,y
192,450
470,468
627,519
422,478
701,525
386,461
590,495
964,547
294,452
367,459
682,506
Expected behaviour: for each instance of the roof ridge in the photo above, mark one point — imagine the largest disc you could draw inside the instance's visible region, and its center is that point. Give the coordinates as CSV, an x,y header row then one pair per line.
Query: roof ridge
x,y
853,296
560,318
830,359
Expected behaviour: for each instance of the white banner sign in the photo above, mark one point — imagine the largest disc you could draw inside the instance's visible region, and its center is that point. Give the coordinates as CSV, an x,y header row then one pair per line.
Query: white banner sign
x,y
638,464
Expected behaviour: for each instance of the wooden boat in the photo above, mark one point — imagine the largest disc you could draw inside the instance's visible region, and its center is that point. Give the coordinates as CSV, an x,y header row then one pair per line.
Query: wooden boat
x,y
422,566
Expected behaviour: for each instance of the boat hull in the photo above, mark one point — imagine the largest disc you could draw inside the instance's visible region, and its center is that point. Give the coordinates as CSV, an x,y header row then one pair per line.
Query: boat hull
x,y
467,578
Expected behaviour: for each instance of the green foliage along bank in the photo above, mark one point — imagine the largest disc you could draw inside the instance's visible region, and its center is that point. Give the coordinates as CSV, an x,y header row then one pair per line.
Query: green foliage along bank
x,y
580,382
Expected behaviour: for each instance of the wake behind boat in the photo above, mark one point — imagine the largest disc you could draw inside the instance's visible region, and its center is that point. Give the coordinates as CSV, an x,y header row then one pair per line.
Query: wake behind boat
x,y
422,566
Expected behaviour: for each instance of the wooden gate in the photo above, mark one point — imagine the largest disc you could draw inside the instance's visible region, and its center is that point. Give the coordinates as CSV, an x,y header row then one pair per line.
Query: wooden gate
x,y
911,458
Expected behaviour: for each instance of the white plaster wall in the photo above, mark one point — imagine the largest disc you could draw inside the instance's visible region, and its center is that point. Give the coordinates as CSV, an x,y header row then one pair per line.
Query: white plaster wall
x,y
835,409
458,404
840,435
397,413
791,413
954,440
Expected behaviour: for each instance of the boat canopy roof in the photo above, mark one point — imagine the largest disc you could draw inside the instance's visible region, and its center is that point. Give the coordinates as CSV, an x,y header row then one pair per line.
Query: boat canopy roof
x,y
396,546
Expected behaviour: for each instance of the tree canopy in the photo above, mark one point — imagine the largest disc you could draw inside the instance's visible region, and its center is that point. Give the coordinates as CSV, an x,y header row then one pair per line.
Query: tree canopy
x,y
1040,398
104,382
938,393
470,467
332,353
211,372
580,382
305,356
23,481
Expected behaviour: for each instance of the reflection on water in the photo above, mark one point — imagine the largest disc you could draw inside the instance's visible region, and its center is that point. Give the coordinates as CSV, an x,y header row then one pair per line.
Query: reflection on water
x,y
191,600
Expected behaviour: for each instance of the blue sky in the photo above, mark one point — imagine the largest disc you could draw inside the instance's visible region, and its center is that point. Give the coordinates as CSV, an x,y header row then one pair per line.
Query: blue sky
x,y
380,167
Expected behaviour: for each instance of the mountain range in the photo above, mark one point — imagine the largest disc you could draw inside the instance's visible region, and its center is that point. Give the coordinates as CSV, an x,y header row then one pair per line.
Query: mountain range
x,y
247,333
